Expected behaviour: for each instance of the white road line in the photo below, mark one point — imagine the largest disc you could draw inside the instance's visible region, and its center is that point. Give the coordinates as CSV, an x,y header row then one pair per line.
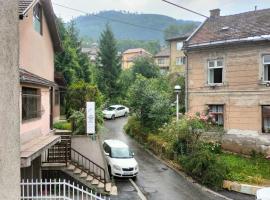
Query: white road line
x,y
141,195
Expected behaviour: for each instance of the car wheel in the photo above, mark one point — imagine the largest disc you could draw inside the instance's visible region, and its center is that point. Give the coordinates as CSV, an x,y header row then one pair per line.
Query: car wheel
x,y
113,117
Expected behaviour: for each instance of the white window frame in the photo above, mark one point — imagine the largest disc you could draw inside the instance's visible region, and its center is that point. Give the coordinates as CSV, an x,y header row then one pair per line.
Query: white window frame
x,y
265,63
179,46
209,69
218,112
180,60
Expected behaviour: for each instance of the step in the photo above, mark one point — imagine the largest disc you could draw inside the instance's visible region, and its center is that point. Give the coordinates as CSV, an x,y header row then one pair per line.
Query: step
x,y
100,185
95,182
71,167
89,178
108,187
83,175
114,191
77,171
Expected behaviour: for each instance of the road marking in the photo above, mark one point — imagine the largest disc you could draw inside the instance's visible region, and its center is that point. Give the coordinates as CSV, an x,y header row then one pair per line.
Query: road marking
x,y
141,195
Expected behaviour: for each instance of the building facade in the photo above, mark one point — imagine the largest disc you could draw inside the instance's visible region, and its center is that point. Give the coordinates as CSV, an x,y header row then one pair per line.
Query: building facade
x,y
177,56
228,70
39,94
130,55
162,59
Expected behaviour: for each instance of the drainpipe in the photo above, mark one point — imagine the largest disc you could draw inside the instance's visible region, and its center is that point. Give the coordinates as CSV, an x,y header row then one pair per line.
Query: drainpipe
x,y
186,83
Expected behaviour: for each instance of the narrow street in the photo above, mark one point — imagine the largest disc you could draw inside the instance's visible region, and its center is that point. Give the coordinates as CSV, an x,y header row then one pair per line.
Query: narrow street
x,y
155,180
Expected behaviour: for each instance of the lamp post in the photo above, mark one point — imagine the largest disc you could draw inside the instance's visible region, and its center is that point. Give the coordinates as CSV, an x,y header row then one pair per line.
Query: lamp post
x,y
177,90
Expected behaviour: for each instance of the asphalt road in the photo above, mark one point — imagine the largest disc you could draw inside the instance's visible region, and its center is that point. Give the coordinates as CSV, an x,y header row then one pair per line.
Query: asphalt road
x,y
155,180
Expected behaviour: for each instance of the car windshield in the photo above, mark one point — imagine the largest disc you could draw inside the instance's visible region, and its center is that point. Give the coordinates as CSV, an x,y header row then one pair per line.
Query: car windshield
x,y
110,108
121,153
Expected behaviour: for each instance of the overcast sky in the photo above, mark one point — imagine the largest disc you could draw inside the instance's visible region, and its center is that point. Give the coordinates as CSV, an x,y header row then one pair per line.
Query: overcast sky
x,y
158,7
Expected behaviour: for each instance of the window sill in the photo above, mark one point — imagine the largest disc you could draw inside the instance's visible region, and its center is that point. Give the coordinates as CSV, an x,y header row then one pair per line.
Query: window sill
x,y
30,120
215,84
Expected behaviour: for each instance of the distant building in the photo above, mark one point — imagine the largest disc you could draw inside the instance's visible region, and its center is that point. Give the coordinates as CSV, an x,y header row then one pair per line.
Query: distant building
x,y
130,55
177,56
162,59
92,52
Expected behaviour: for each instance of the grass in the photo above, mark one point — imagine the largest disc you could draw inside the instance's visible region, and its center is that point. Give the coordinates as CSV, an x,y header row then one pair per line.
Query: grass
x,y
247,170
62,125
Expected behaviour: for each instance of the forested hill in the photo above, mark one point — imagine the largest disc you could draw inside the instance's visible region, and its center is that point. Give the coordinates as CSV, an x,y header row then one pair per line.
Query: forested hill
x,y
91,26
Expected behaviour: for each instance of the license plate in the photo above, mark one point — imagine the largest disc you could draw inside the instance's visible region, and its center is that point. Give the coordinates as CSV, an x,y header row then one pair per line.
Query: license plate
x,y
128,173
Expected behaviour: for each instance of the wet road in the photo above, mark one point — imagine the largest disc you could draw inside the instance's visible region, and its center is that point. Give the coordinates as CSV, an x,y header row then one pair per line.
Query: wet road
x,y
155,180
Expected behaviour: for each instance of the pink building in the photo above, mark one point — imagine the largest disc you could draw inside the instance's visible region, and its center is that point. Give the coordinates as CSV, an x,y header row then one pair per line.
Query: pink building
x,y
39,102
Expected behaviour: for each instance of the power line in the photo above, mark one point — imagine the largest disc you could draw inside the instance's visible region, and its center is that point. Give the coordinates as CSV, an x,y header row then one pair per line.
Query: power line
x,y
114,20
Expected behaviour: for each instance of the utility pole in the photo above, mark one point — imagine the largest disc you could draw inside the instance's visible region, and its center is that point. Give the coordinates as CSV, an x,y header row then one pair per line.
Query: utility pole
x,y
9,101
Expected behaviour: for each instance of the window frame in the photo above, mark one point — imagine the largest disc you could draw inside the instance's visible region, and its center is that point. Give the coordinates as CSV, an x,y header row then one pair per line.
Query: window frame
x,y
159,61
217,113
179,46
263,68
209,69
182,60
38,18
263,117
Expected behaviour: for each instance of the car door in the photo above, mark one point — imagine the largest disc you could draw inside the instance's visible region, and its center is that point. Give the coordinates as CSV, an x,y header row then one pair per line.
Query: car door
x,y
118,112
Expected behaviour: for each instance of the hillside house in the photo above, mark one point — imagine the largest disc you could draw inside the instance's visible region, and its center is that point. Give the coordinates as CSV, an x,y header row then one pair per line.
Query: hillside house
x,y
177,56
162,59
228,71
39,94
130,55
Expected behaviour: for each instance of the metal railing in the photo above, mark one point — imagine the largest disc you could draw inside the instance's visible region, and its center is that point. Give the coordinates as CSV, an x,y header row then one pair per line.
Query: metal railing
x,y
56,190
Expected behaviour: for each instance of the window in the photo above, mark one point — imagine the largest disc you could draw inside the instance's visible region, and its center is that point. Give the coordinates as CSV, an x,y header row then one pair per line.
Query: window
x,y
179,46
37,18
56,97
266,119
181,60
266,68
217,111
161,61
215,71
30,103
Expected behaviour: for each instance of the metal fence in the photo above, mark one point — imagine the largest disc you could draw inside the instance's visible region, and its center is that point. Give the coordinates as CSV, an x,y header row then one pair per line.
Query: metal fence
x,y
56,190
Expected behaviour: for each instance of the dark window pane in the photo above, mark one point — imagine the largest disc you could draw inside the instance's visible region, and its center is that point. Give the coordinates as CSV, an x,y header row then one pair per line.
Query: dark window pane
x,y
218,75
30,103
266,119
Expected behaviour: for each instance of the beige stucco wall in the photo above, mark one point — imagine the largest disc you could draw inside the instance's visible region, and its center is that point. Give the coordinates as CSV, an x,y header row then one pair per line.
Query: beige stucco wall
x,y
36,51
126,64
242,93
40,126
175,54
9,102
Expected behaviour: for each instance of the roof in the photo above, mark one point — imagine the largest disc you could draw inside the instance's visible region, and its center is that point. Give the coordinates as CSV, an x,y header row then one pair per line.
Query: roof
x,y
180,37
248,26
25,5
116,143
60,80
142,55
28,77
137,50
163,53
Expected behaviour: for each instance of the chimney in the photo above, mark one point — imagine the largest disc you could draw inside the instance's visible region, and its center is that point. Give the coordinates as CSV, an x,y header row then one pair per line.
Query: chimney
x,y
214,13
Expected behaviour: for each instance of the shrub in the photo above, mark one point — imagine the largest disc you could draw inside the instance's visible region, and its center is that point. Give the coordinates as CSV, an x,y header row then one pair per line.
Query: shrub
x,y
135,129
78,122
62,125
205,167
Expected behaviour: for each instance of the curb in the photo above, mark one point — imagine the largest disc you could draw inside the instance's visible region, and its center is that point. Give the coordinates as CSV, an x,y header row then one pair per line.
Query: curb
x,y
188,178
241,188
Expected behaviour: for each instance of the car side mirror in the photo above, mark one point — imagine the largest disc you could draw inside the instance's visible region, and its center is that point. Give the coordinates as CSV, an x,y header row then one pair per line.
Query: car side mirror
x,y
133,154
107,154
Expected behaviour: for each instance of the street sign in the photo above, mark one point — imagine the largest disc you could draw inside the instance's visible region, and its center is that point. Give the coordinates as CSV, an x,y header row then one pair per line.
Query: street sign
x,y
90,118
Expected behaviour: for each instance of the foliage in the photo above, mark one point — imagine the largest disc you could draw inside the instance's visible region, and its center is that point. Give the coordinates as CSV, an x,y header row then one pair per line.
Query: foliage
x,y
78,122
62,125
134,128
146,67
175,30
149,99
205,167
109,67
74,64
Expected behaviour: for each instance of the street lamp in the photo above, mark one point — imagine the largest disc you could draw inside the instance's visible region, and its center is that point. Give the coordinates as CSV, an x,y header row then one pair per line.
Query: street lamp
x,y
177,90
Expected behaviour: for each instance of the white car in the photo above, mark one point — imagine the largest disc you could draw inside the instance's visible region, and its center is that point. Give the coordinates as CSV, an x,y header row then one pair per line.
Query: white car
x,y
115,111
120,159
263,194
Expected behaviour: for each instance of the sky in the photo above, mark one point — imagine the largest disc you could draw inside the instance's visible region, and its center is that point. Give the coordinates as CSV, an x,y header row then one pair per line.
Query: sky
x,y
158,7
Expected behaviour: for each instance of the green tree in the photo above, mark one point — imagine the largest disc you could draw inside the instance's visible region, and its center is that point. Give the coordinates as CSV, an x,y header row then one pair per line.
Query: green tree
x,y
109,67
177,30
146,67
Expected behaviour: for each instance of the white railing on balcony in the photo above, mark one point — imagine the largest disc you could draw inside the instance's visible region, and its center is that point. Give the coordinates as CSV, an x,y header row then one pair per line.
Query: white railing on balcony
x,y
56,190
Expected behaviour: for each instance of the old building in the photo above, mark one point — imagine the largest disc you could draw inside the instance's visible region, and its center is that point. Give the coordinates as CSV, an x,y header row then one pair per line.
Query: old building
x,y
177,56
130,55
162,59
228,70
39,94
92,52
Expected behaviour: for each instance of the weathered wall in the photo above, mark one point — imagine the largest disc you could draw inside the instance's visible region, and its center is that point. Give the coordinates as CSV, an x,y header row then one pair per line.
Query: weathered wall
x,y
242,93
36,51
9,102
174,54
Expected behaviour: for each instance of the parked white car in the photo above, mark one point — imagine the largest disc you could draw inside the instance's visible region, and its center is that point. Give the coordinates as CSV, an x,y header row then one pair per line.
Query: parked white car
x,y
115,111
120,159
263,194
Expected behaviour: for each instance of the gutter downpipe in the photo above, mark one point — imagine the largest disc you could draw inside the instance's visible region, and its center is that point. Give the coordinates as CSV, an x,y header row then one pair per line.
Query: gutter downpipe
x,y
186,83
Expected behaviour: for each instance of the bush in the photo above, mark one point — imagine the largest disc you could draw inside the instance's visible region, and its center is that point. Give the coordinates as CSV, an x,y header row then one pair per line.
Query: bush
x,y
205,167
62,125
78,122
135,129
